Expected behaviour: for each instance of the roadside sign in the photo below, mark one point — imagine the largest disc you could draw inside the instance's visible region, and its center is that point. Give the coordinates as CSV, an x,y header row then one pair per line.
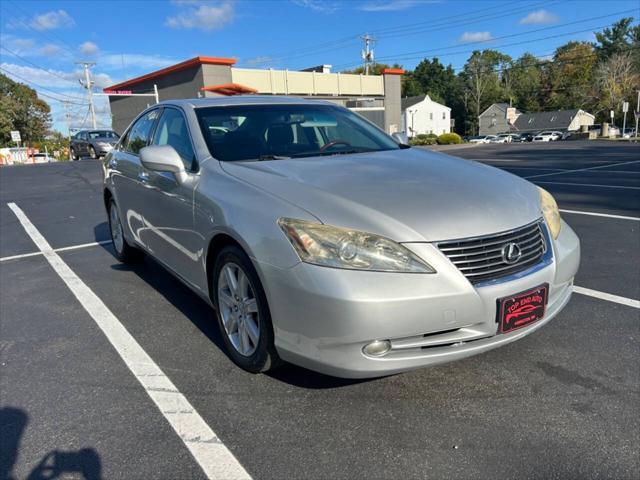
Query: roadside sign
x,y
611,113
15,136
625,107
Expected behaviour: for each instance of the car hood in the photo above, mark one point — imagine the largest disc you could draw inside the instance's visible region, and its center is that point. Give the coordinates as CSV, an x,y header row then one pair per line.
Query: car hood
x,y
407,195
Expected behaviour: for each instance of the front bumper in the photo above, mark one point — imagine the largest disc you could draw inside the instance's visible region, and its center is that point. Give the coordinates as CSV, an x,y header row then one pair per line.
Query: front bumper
x,y
323,317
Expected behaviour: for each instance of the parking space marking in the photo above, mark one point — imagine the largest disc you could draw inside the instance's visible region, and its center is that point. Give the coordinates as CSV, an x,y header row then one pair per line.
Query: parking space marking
x,y
630,302
590,185
583,169
208,450
596,214
63,249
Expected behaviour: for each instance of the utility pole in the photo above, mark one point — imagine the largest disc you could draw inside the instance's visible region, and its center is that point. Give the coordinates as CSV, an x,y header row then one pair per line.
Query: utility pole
x,y
367,53
67,116
88,84
637,112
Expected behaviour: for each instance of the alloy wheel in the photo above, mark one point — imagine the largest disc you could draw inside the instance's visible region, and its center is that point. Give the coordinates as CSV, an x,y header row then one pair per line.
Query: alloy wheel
x,y
238,309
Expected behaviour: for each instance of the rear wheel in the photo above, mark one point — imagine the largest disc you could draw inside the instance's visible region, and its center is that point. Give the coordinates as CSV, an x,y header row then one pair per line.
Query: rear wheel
x,y
124,252
242,312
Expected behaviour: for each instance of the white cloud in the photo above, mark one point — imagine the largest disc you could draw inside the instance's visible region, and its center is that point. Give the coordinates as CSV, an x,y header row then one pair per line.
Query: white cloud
x,y
393,5
126,61
468,37
539,17
259,60
49,50
322,6
88,48
205,17
52,20
49,78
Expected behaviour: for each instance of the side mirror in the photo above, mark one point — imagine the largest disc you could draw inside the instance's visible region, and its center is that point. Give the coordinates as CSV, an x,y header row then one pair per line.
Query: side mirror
x,y
163,158
401,138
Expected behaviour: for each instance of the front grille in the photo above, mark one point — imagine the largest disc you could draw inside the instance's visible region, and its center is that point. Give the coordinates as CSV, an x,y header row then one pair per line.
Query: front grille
x,y
480,259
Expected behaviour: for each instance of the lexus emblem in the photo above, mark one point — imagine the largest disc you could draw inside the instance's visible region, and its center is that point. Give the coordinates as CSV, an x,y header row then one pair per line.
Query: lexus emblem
x,y
511,253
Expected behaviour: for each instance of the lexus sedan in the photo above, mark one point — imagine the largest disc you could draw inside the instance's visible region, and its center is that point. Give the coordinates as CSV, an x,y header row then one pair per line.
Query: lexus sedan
x,y
319,240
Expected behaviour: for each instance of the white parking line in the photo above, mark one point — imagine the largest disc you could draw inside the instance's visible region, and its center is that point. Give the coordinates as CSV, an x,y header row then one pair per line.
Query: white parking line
x,y
63,249
589,185
583,169
630,302
211,454
596,214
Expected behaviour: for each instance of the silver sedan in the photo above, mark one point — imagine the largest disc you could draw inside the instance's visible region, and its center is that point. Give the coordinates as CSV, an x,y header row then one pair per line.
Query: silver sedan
x,y
319,240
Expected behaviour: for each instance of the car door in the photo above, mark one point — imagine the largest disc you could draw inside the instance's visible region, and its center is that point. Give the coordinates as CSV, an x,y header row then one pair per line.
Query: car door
x,y
167,206
129,178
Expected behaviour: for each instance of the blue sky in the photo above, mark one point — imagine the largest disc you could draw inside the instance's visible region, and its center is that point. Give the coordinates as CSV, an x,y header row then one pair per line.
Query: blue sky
x,y
41,39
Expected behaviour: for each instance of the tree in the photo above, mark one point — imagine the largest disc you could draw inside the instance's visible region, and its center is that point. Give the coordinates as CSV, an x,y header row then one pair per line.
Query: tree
x,y
569,78
435,79
620,38
22,110
482,81
526,82
375,69
617,81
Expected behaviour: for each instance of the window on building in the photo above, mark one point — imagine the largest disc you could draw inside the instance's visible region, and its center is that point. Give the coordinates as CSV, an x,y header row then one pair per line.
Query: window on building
x,y
431,116
172,130
444,115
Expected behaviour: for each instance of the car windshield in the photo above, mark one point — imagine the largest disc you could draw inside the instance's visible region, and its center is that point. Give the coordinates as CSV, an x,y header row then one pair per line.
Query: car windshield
x,y
272,132
102,134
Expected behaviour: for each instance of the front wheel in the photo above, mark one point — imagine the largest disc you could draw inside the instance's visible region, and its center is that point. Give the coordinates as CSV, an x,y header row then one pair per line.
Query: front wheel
x,y
242,312
124,252
74,155
92,152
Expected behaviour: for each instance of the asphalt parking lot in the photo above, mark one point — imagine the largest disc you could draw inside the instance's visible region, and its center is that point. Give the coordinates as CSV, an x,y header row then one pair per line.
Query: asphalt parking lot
x,y
562,403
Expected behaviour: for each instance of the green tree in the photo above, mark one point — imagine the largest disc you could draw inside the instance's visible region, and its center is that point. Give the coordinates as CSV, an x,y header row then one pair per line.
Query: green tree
x,y
569,78
620,38
22,110
435,79
483,82
526,82
375,69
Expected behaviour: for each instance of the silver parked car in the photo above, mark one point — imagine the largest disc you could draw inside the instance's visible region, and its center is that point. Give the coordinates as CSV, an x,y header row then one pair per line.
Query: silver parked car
x,y
94,143
319,240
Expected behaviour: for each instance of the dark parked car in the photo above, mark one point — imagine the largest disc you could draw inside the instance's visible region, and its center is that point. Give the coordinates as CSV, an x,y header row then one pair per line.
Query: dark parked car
x,y
95,143
523,137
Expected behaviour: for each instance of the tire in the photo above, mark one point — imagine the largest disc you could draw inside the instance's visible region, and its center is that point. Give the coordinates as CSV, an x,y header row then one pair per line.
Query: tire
x,y
123,251
74,155
243,310
92,152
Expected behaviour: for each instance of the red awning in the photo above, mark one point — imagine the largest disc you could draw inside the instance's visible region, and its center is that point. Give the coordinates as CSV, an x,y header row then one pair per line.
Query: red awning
x,y
229,89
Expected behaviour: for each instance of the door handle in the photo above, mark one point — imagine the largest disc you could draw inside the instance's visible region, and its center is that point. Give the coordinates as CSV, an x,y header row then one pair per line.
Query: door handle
x,y
143,176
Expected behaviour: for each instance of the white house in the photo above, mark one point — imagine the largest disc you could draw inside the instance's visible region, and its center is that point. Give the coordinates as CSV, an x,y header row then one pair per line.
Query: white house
x,y
422,115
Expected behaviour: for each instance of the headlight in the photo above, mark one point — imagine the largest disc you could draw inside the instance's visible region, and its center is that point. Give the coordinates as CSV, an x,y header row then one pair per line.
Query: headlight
x,y
550,211
343,248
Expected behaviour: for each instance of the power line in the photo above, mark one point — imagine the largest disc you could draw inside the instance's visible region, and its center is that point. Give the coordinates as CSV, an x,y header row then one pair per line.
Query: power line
x,y
411,55
40,86
50,72
443,21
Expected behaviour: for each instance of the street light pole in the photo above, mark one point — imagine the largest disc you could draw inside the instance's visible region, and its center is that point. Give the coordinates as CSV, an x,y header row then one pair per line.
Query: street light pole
x,y
88,84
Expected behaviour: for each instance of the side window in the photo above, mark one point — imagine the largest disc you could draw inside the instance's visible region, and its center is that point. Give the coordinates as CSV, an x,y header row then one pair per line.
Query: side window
x,y
139,134
172,130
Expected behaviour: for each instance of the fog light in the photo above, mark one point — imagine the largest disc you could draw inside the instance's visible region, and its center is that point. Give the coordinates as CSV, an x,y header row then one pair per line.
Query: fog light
x,y
377,348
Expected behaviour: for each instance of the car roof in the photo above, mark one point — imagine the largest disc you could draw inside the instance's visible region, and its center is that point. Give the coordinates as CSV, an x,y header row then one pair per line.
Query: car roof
x,y
243,100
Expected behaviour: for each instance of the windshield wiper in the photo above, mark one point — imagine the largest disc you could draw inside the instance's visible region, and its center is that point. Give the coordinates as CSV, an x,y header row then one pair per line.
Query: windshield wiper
x,y
272,157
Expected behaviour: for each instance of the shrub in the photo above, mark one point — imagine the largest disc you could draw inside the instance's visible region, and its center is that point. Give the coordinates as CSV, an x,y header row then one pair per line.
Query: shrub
x,y
424,139
449,139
